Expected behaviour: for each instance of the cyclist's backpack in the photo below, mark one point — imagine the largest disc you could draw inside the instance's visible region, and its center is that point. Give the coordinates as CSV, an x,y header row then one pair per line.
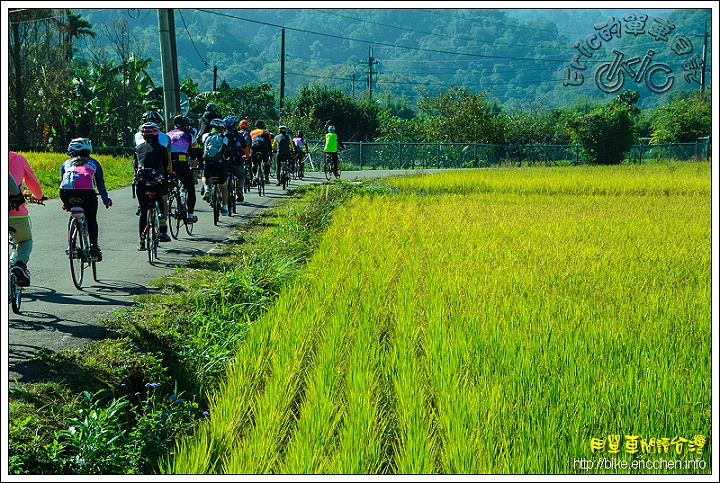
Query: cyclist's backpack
x,y
213,147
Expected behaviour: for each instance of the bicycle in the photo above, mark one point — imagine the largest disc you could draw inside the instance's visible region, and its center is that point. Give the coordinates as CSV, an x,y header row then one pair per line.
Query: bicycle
x,y
300,166
328,167
78,250
15,290
177,209
247,166
151,232
284,174
215,198
232,191
259,179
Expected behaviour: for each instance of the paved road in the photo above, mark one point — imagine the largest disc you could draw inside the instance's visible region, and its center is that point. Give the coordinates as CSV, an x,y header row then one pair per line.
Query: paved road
x,y
56,315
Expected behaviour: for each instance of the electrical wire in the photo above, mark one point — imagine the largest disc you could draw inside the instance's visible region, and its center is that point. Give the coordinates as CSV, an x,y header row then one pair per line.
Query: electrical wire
x,y
191,40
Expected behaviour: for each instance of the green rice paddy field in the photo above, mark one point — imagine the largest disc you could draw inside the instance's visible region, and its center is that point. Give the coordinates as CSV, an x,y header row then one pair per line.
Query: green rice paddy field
x,y
496,321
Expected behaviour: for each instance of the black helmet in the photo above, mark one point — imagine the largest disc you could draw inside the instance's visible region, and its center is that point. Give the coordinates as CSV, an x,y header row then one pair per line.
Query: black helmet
x,y
260,124
181,121
211,107
152,116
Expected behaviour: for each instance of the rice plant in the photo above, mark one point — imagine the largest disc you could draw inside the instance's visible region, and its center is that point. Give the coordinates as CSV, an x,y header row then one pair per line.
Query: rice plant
x,y
484,322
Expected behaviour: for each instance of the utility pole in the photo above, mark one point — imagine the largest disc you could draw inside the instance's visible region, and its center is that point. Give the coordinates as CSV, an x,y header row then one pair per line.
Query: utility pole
x,y
282,68
168,61
370,63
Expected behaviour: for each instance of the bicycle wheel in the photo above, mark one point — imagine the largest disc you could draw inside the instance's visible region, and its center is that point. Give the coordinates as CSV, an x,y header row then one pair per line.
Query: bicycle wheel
x,y
215,198
76,252
174,219
285,177
327,167
339,170
260,180
232,200
151,230
15,293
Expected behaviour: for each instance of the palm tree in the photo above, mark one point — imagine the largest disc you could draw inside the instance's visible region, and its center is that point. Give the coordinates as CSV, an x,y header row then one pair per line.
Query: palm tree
x,y
74,27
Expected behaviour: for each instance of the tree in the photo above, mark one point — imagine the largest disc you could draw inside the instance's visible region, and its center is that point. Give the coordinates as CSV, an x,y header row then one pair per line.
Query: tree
x,y
606,133
317,107
32,59
682,121
459,116
74,27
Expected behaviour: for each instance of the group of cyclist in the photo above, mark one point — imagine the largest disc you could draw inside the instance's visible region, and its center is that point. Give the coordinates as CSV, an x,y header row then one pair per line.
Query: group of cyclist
x,y
158,158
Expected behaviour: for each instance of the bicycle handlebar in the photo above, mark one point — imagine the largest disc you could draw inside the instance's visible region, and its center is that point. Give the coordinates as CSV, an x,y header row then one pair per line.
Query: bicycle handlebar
x,y
31,199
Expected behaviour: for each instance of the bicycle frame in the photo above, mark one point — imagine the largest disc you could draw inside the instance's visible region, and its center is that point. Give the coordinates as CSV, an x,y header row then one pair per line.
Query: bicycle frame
x,y
79,247
215,198
152,226
177,209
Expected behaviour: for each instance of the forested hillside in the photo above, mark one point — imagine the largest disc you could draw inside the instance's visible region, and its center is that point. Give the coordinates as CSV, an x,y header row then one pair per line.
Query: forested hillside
x,y
519,56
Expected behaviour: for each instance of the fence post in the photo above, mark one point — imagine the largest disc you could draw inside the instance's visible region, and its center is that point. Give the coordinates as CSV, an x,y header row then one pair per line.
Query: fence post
x,y
399,155
577,155
438,155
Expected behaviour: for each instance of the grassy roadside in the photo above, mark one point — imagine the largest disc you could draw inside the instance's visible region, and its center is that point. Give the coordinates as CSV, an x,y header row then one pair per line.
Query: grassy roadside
x,y
116,406
117,170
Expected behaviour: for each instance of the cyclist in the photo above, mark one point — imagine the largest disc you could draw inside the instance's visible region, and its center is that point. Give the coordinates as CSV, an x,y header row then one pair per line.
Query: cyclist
x,y
80,175
215,163
301,148
245,132
260,146
331,146
181,138
21,173
154,117
237,147
211,112
282,144
154,164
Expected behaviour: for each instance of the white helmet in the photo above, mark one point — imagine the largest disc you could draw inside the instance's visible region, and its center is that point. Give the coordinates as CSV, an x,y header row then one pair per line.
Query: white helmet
x,y
79,145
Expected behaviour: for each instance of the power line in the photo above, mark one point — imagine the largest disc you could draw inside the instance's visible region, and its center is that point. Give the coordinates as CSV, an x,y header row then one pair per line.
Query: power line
x,y
420,49
191,40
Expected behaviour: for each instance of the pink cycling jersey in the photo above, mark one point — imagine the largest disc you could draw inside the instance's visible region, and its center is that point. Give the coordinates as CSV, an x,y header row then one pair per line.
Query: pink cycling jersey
x,y
21,171
88,176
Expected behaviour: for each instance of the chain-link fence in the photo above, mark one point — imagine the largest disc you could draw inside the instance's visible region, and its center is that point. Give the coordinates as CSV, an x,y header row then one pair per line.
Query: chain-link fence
x,y
399,155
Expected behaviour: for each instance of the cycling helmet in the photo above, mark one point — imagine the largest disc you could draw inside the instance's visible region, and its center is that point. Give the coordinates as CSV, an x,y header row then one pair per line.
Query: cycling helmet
x,y
260,124
152,116
331,128
149,129
244,124
283,127
211,107
182,122
230,121
217,123
80,145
